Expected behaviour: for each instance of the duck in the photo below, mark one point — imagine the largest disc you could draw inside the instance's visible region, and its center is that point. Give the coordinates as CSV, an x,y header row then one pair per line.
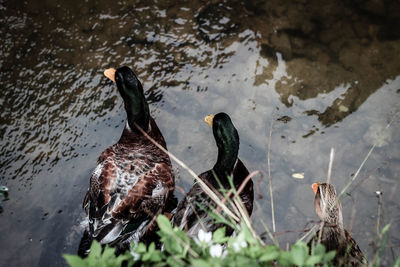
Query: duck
x,y
334,236
190,214
133,181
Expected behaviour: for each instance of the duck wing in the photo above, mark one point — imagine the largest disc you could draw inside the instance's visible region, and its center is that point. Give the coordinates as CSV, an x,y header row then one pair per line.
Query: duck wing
x,y
348,254
191,214
353,254
127,192
240,173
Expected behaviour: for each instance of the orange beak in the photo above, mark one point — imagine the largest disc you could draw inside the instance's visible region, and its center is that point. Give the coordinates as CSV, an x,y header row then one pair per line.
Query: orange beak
x,y
110,74
209,120
314,187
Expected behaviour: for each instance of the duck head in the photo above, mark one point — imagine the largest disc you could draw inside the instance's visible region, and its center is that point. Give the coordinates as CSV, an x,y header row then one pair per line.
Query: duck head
x,y
227,140
131,90
328,208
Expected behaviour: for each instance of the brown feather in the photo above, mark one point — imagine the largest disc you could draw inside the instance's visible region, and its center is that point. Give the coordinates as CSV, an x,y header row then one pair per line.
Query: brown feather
x,y
334,236
133,181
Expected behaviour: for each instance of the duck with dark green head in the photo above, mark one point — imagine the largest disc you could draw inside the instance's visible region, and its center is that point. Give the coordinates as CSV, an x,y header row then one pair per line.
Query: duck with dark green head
x,y
190,214
133,179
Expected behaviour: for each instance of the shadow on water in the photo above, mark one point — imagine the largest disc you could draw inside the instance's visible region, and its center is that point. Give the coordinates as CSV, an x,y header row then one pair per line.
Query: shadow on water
x,y
327,74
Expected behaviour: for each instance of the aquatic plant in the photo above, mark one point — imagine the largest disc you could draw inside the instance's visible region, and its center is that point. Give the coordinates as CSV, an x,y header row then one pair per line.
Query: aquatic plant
x,y
207,249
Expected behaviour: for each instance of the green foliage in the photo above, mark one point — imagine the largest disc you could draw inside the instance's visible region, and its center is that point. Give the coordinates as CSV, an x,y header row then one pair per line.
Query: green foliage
x,y
382,240
219,236
99,257
397,262
218,250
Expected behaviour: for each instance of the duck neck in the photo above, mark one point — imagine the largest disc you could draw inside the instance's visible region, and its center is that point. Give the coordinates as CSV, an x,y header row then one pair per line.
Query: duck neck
x,y
227,157
333,229
333,237
137,111
333,215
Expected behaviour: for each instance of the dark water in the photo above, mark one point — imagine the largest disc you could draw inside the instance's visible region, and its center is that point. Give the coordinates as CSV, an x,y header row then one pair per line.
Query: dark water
x,y
323,74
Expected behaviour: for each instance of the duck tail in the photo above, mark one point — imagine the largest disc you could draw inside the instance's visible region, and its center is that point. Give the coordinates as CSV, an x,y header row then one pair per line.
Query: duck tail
x,y
85,244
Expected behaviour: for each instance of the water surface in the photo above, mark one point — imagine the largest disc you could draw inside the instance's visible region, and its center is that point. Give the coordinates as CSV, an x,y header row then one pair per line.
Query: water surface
x,y
319,75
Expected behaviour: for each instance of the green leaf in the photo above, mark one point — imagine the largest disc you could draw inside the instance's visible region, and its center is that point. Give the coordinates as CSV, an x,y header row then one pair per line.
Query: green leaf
x,y
385,229
397,262
146,256
74,260
318,249
329,256
312,260
219,235
299,253
269,256
164,224
173,247
269,253
174,261
95,249
141,248
124,257
243,261
156,256
285,258
152,247
108,253
199,263
247,234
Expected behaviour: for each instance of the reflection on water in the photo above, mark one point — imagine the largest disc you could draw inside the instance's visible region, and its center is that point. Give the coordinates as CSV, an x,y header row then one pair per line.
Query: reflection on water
x,y
322,74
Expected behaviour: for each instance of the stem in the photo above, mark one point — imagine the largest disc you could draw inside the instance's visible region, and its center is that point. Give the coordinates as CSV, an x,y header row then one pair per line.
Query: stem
x,y
269,177
206,189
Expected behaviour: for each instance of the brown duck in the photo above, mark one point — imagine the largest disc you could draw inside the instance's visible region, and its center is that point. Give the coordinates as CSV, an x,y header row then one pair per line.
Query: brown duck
x,y
334,236
133,179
